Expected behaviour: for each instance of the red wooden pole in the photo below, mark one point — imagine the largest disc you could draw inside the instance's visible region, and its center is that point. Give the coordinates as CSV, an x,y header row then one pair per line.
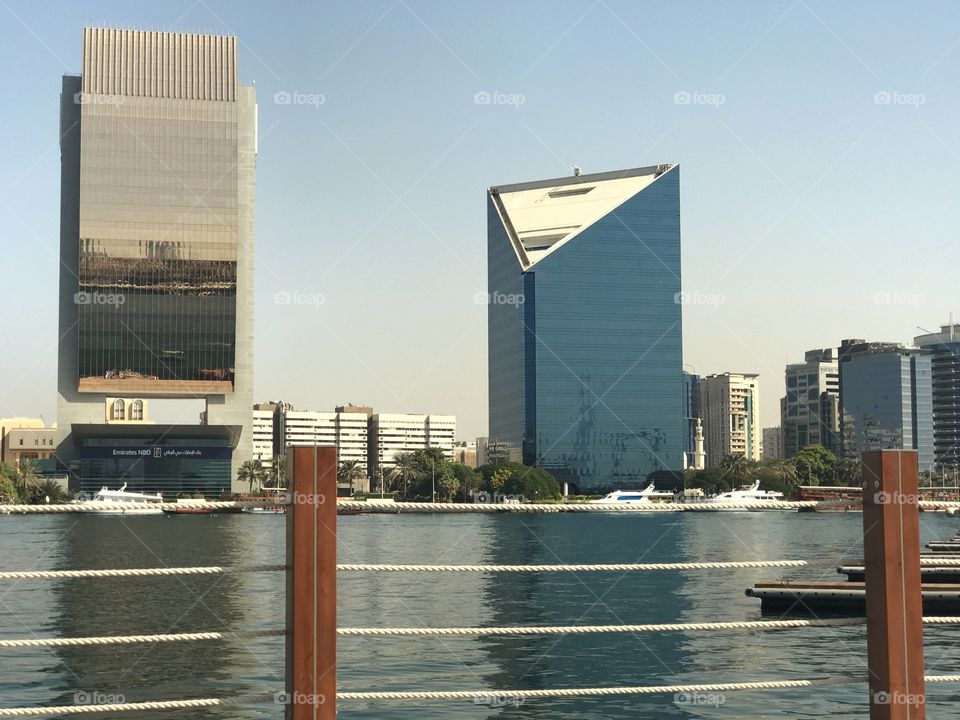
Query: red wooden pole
x,y
891,551
311,683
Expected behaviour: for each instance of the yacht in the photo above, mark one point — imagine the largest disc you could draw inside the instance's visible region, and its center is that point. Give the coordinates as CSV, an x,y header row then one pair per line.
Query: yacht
x,y
123,502
633,497
751,495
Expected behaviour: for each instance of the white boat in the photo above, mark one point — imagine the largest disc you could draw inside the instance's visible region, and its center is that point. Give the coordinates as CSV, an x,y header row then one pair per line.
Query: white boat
x,y
633,497
124,502
751,495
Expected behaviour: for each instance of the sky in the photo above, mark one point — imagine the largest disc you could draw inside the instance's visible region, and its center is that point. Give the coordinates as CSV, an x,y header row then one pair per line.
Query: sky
x,y
817,144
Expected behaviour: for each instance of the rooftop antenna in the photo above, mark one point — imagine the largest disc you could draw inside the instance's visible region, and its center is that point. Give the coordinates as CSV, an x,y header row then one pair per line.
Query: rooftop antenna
x,y
576,171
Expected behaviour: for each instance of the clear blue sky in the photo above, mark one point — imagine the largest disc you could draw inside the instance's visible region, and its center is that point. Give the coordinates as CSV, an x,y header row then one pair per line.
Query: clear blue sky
x,y
812,211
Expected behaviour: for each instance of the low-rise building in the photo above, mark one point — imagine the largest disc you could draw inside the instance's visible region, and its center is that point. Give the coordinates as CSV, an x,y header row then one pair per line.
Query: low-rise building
x,y
773,443
29,443
465,453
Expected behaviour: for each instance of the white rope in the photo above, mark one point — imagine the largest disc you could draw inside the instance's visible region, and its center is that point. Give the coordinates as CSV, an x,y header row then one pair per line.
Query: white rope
x,y
466,695
397,507
131,572
133,639
609,567
115,707
583,629
577,692
133,507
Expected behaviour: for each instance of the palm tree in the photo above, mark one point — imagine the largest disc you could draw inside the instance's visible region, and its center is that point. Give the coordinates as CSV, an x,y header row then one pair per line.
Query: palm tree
x,y
737,469
388,479
251,472
26,481
349,472
406,464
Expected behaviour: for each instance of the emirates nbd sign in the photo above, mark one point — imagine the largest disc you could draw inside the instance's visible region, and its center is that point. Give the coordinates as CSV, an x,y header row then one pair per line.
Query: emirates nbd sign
x,y
156,452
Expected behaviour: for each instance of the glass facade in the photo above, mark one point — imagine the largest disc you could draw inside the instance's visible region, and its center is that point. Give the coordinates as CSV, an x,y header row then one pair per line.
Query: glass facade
x,y
586,367
158,241
691,412
887,403
162,464
943,349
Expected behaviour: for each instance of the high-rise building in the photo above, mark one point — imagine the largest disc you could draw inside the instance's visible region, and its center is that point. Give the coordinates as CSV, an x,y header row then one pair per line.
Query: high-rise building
x,y
584,325
773,443
731,416
346,431
810,411
158,146
943,349
393,433
886,399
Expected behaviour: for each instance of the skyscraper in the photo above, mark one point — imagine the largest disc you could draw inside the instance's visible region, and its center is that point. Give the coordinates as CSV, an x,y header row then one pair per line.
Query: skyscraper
x,y
584,324
943,349
158,153
886,399
731,416
810,410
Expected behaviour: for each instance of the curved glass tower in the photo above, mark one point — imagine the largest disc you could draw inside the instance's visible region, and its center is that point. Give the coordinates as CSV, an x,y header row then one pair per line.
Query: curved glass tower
x,y
584,325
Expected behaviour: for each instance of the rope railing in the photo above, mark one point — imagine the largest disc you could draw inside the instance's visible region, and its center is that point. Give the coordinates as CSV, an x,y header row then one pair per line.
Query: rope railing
x,y
595,567
134,639
131,507
429,507
468,631
441,695
134,572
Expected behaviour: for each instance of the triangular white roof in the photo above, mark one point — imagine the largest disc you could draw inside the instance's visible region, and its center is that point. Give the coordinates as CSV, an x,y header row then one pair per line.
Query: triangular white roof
x,y
542,216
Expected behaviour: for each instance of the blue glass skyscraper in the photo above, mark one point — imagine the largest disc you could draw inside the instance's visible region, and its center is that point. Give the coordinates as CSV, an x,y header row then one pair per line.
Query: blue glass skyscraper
x,y
584,325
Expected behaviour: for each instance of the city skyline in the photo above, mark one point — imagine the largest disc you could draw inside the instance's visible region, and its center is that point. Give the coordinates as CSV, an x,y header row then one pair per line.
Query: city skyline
x,y
810,222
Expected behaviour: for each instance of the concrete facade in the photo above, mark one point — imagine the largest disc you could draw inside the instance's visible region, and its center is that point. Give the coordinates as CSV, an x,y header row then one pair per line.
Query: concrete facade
x,y
731,416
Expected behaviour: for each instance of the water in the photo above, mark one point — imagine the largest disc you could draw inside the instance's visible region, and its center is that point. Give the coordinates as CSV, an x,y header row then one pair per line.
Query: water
x,y
254,601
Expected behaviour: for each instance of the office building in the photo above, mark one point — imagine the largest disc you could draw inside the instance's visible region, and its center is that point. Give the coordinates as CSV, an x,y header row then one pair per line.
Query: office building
x,y
156,254
810,411
886,399
584,325
346,431
943,349
731,416
773,443
393,433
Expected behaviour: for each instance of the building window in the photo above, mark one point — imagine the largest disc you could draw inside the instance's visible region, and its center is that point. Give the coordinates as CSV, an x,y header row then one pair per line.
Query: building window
x,y
136,410
118,410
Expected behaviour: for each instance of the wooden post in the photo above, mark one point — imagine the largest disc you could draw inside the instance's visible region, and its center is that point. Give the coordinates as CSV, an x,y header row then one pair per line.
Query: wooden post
x,y
311,667
891,551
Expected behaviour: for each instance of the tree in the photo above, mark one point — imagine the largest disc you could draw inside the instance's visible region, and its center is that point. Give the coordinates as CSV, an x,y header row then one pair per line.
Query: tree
x,y
468,480
389,479
252,472
532,484
49,490
738,468
434,474
849,472
408,469
349,472
815,465
26,481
